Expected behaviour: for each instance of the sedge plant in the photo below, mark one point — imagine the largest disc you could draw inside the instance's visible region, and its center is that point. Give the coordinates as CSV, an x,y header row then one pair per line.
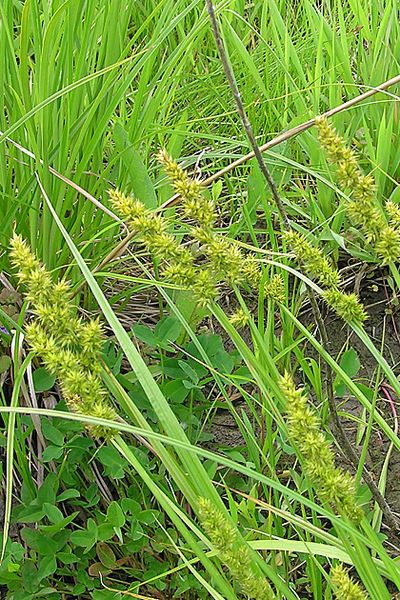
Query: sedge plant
x,y
206,262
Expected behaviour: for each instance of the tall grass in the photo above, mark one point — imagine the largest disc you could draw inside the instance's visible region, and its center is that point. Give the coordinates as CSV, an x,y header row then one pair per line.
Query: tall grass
x,y
92,89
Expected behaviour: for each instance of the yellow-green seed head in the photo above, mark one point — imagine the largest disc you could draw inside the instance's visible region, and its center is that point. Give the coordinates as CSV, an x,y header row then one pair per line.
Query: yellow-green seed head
x,y
39,340
203,235
239,319
163,245
90,339
221,533
205,287
334,486
393,211
388,245
226,259
180,273
67,346
61,292
170,165
252,272
102,410
344,587
361,208
364,189
195,206
330,141
233,552
21,255
39,284
275,288
366,217
346,306
312,259
127,206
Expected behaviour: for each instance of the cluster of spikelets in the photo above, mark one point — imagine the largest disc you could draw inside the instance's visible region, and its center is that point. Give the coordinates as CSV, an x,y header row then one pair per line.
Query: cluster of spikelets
x,y
317,266
363,212
67,345
344,587
361,207
201,266
233,552
334,486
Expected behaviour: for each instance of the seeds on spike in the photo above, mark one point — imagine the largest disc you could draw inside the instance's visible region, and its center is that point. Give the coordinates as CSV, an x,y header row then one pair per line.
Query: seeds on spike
x,y
68,347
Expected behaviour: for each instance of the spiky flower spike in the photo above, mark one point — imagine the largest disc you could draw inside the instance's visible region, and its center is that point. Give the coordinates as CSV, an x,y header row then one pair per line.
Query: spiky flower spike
x,y
177,262
387,246
312,259
334,486
344,587
225,258
319,268
275,288
68,346
239,319
225,261
393,210
195,205
345,305
361,208
233,552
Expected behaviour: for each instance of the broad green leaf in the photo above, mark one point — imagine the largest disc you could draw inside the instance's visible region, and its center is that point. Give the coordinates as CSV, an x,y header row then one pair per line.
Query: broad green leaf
x,y
175,391
145,334
114,465
106,555
350,363
43,380
52,452
51,433
59,525
5,363
168,329
67,558
71,493
115,515
47,566
53,513
38,541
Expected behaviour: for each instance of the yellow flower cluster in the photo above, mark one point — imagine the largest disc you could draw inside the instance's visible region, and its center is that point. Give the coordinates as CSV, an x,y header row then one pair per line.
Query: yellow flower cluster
x,y
361,208
68,346
275,288
195,206
219,259
334,486
393,210
344,587
226,259
239,319
346,306
177,261
233,552
312,259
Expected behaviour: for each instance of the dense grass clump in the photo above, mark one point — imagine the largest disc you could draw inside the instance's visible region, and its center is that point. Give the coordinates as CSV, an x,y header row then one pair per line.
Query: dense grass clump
x,y
198,350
